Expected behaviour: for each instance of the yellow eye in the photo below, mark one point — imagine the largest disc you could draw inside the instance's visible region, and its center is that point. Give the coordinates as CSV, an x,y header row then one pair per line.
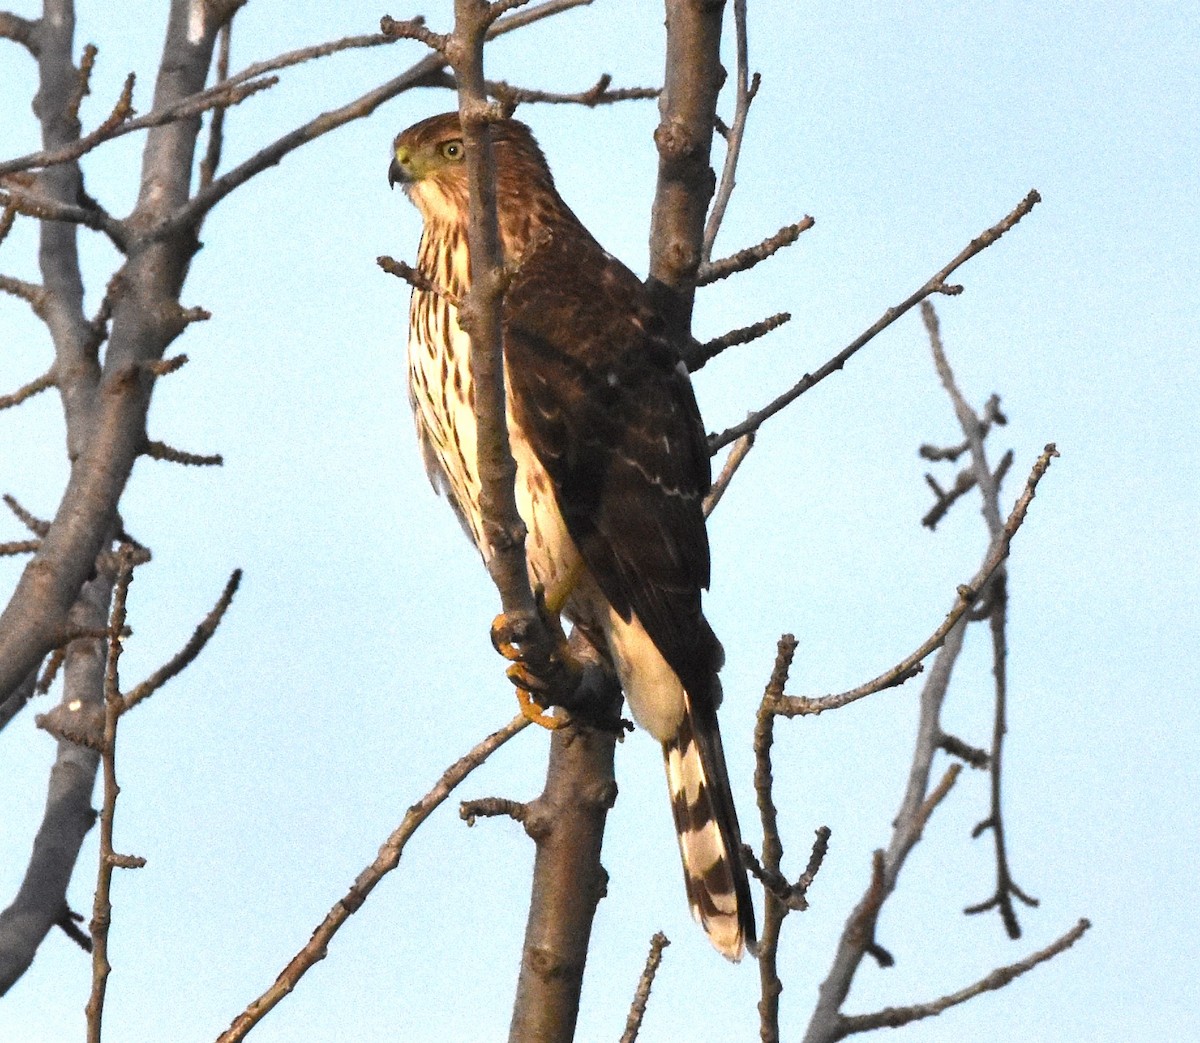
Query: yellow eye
x,y
453,149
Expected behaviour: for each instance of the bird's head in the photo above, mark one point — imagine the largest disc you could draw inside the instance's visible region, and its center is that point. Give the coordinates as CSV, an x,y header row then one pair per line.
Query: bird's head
x,y
428,162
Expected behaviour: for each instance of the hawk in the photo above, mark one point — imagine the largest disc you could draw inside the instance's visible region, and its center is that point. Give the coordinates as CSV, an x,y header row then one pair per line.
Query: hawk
x,y
611,467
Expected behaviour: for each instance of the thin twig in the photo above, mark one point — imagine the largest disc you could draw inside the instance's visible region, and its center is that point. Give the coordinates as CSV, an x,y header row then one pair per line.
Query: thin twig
x,y
109,860
34,387
936,284
387,860
974,428
968,594
600,93
772,850
162,451
739,452
744,96
38,526
703,353
195,645
492,807
894,1017
216,128
641,997
752,255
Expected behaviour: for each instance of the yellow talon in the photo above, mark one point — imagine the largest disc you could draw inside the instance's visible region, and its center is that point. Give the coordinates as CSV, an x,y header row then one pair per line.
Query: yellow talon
x,y
536,714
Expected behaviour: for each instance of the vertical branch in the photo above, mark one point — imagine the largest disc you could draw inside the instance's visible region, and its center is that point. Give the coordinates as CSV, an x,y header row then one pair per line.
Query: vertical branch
x,y
772,854
69,816
567,823
687,110
996,604
479,314
102,904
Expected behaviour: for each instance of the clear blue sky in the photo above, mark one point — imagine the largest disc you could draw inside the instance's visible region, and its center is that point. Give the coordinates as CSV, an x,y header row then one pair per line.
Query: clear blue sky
x,y
355,664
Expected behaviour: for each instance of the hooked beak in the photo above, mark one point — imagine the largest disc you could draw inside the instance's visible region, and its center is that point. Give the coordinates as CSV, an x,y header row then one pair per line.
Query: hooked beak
x,y
396,173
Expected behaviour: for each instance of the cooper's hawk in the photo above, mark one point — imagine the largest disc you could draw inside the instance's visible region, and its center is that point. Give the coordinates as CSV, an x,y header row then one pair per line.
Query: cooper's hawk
x,y
611,463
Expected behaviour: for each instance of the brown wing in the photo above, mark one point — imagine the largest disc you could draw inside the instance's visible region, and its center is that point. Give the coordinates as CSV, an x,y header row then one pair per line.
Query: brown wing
x,y
610,412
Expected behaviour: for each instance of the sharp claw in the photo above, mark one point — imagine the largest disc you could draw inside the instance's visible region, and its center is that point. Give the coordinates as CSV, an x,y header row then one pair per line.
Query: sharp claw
x,y
535,713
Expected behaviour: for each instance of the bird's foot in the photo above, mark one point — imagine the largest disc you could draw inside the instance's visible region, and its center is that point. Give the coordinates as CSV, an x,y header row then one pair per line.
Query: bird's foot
x,y
544,667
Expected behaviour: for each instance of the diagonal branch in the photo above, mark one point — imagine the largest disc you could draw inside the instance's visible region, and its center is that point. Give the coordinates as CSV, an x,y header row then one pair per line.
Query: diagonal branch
x,y
637,1010
387,860
21,30
968,596
936,284
195,645
417,75
895,1017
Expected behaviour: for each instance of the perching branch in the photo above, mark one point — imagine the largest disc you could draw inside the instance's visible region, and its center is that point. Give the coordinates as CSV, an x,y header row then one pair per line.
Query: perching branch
x,y
936,284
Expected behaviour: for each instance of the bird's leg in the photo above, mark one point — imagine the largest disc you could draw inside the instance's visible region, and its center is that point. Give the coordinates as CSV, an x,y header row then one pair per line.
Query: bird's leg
x,y
538,672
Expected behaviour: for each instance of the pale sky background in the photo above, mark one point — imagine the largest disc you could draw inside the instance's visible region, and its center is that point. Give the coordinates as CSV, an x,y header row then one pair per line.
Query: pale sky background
x,y
355,663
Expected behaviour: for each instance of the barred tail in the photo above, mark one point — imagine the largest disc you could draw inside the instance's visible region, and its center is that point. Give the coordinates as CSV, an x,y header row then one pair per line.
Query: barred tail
x,y
709,839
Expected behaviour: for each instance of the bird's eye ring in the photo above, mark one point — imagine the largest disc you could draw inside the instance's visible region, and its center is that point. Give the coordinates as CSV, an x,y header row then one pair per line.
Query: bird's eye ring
x,y
453,149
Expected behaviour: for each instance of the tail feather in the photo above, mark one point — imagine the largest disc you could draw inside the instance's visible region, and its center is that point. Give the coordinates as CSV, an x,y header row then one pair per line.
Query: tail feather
x,y
709,838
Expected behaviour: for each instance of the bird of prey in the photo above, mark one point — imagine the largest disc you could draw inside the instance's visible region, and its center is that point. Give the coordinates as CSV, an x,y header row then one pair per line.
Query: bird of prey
x,y
611,466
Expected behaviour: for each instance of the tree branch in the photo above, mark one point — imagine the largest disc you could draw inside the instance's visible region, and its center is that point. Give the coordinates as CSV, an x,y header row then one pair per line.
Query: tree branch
x,y
687,110
387,860
895,1017
936,284
745,90
21,30
968,595
641,997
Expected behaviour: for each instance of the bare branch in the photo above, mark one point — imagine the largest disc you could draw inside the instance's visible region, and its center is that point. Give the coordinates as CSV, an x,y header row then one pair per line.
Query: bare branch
x,y
745,92
216,128
687,113
772,857
637,1010
954,746
19,547
162,451
164,367
387,860
417,280
600,93
894,1017
34,387
40,902
752,255
413,29
36,525
968,594
974,429
936,284
20,30
33,204
109,859
492,807
739,452
702,353
178,662
34,294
